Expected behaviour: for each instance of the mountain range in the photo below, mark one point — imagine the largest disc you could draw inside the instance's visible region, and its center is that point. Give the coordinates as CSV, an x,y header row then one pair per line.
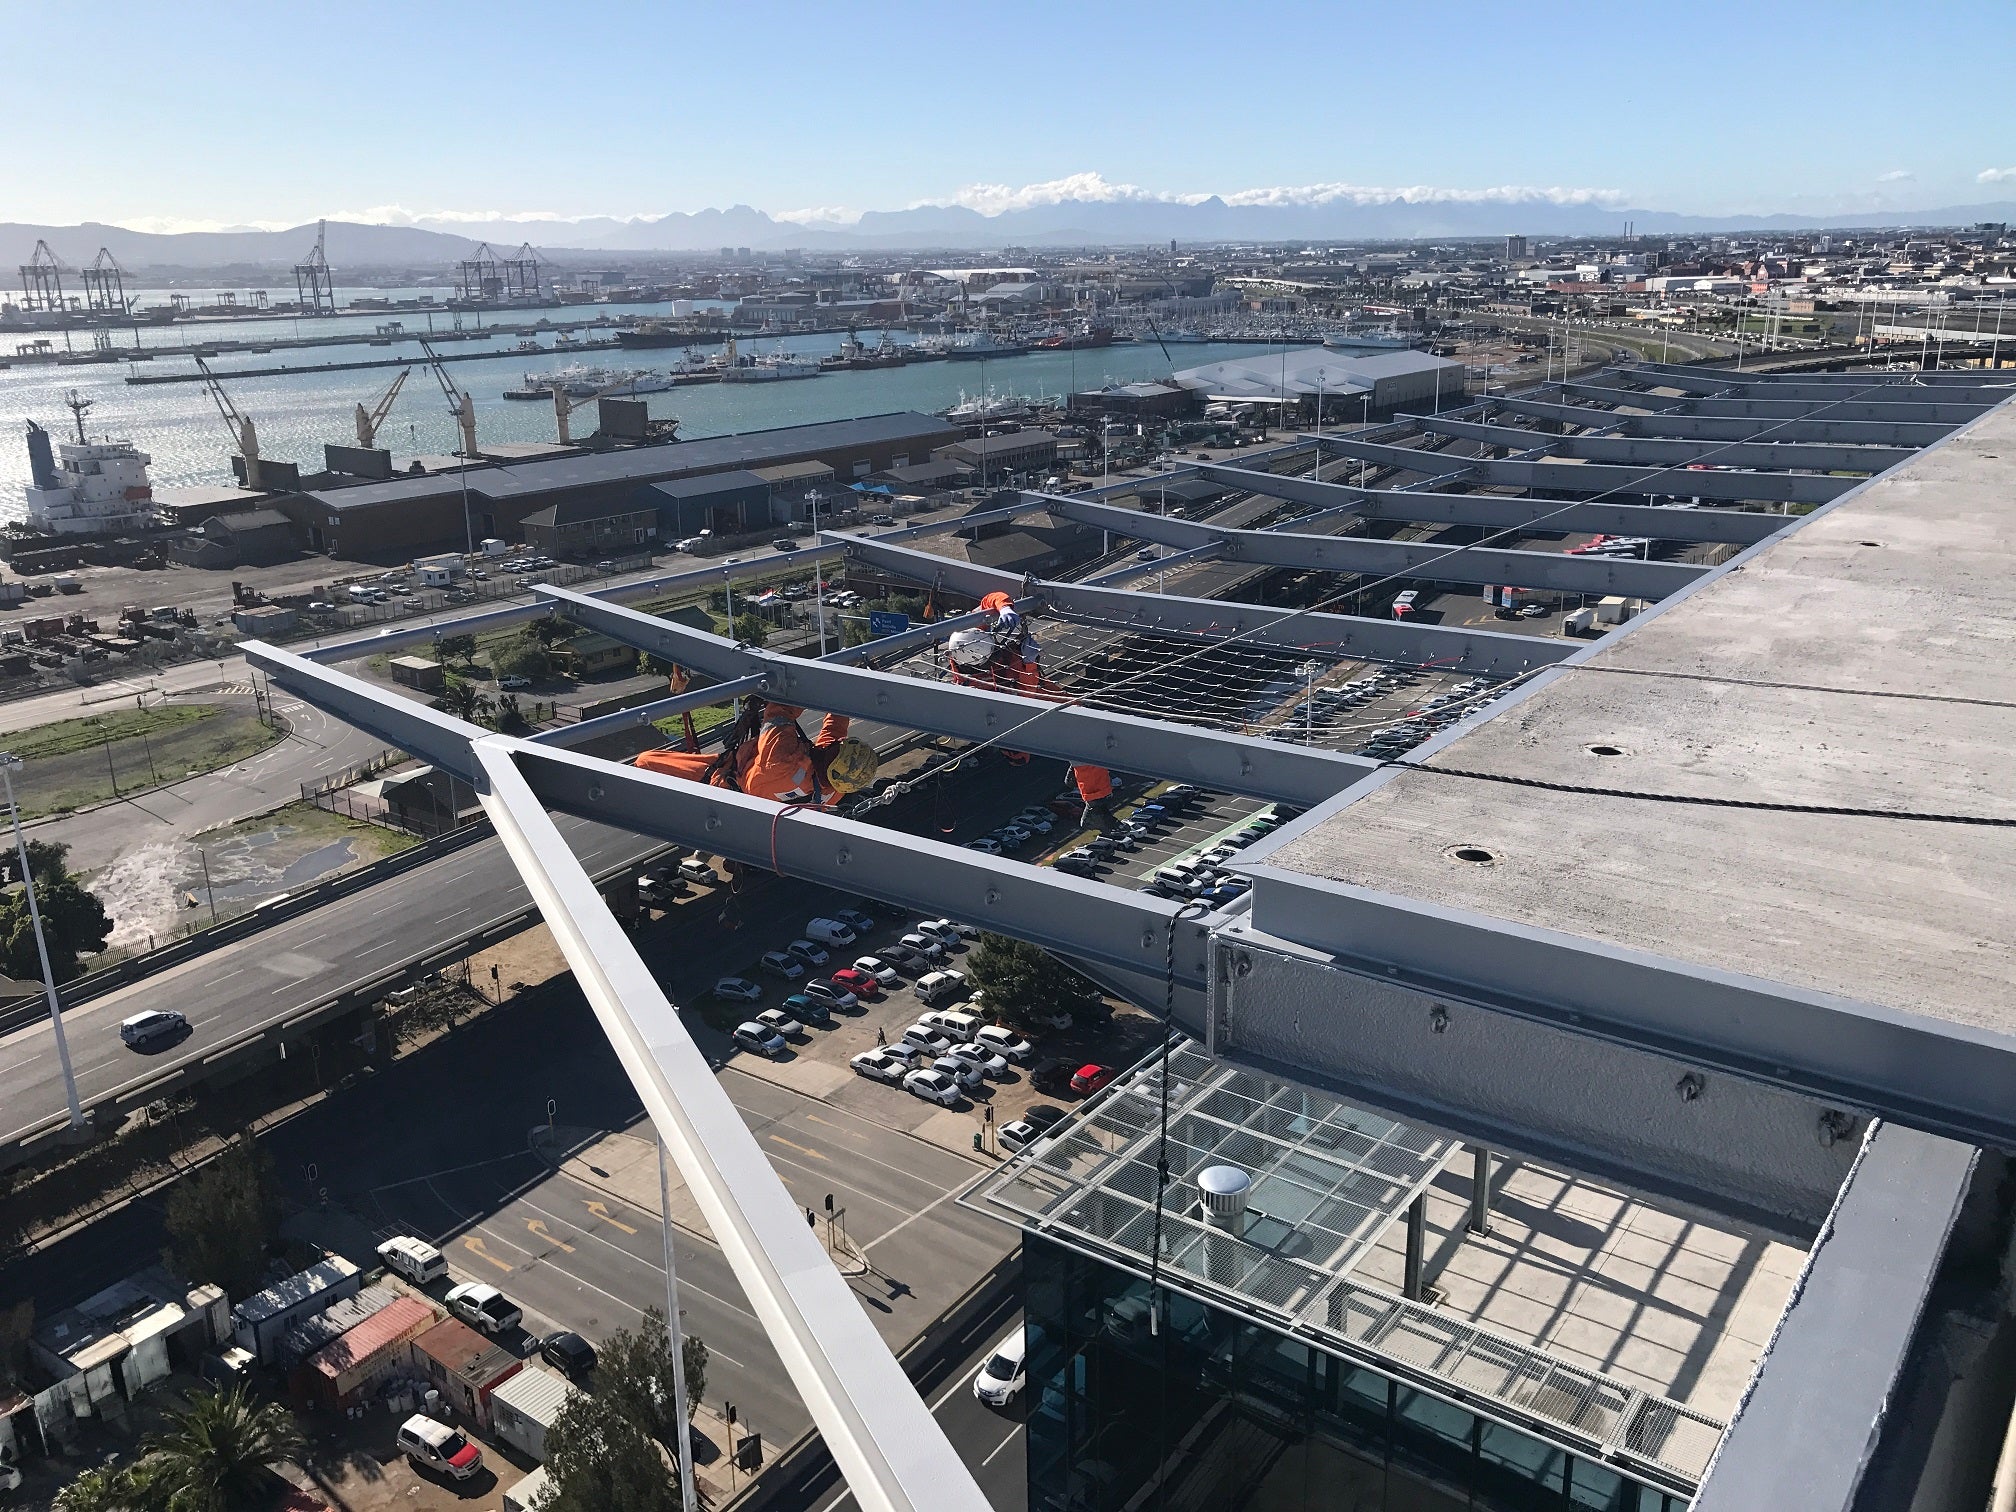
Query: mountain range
x,y
357,246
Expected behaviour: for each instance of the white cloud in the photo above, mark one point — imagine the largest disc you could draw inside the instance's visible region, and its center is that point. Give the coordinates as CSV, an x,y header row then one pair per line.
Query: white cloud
x,y
819,215
995,199
175,225
1995,176
1896,176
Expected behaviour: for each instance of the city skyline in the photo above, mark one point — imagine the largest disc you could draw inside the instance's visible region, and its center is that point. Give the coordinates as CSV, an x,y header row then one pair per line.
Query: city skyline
x,y
456,117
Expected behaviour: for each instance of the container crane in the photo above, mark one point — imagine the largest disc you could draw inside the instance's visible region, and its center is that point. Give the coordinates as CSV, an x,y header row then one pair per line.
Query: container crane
x,y
460,405
243,436
369,420
564,407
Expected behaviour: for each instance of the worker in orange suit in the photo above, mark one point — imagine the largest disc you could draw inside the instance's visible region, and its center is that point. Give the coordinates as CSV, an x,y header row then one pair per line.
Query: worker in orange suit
x,y
767,755
1003,656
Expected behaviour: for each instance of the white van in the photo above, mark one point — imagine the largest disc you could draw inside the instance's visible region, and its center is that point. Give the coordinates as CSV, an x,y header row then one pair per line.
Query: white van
x,y
961,1026
415,1259
829,932
941,986
436,1446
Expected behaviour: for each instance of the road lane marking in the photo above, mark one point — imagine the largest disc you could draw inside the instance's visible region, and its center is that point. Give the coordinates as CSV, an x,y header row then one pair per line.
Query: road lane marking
x,y
601,1210
539,1228
801,1149
474,1245
684,1284
1013,1434
928,1207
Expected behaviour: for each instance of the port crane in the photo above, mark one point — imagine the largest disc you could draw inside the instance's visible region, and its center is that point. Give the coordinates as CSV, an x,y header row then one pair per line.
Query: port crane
x,y
369,420
564,407
460,405
243,435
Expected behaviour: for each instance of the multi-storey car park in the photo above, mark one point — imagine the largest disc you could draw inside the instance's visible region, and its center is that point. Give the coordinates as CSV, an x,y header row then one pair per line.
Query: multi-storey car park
x,y
1583,1103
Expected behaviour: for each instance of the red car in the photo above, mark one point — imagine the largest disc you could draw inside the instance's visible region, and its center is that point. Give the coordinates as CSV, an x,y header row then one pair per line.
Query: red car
x,y
1089,1079
859,983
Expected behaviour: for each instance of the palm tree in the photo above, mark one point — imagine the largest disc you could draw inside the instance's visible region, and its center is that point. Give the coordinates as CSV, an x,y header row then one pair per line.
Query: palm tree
x,y
218,1452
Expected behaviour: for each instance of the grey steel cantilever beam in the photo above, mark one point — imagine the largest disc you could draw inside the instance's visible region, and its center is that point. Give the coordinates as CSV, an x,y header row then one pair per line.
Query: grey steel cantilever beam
x,y
1232,763
1684,427
1290,631
1915,406
1769,451
1426,559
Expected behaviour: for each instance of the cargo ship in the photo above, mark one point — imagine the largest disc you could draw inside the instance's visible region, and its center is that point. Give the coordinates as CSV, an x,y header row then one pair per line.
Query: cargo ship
x,y
86,487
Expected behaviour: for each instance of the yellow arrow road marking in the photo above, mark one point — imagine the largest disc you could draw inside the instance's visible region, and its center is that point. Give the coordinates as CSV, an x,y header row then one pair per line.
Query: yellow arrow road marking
x,y
601,1210
475,1247
801,1149
538,1227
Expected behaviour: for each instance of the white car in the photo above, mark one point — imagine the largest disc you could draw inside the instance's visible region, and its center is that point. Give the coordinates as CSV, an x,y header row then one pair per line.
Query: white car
x,y
765,1041
987,845
810,954
1001,1379
879,969
928,946
881,1065
1005,1042
980,1058
483,1306
777,1021
932,1086
1018,1135
944,931
1013,834
738,990
925,1039
781,963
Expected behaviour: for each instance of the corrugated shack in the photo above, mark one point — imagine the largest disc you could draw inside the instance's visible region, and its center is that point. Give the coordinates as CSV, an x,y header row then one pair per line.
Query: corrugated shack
x,y
343,1372
464,1367
524,1407
262,1320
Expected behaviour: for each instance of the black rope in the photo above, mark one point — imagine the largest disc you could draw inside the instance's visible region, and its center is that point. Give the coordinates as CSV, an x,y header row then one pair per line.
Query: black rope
x,y
1823,810
1162,1143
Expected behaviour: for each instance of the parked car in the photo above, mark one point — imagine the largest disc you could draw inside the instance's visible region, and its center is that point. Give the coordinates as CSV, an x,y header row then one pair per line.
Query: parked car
x,y
511,682
777,1021
1091,1078
838,998
884,974
903,958
881,1065
983,1060
781,963
932,1086
854,919
1076,866
1044,1117
809,953
987,845
1018,1135
765,1041
693,869
1001,1379
415,1259
925,1039
482,1306
927,947
660,884
1051,1075
155,1026
829,932
733,989
568,1352
807,1010
858,982
436,1446
1004,1042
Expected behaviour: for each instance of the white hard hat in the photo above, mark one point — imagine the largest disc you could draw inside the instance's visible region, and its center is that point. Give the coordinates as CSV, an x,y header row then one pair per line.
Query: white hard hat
x,y
971,647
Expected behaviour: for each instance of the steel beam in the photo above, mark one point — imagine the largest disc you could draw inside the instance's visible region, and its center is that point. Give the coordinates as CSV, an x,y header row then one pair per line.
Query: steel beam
x,y
1817,387
1949,1079
892,1451
1293,631
1492,512
1636,451
1686,427
1828,1384
648,713
1387,559
401,722
1231,763
1598,478
1921,378
1931,411
1113,926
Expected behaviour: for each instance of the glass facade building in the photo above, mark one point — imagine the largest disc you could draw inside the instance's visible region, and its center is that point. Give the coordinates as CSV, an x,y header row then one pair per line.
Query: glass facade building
x,y
1204,1410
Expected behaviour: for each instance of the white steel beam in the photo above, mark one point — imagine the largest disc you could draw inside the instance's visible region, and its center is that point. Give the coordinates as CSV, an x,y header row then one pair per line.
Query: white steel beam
x,y
891,1449
1231,763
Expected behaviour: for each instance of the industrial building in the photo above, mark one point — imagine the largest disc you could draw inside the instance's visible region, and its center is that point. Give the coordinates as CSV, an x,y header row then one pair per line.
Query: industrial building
x,y
403,516
1350,385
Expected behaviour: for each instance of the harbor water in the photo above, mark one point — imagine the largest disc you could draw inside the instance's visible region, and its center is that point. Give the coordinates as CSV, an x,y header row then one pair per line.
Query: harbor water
x,y
178,425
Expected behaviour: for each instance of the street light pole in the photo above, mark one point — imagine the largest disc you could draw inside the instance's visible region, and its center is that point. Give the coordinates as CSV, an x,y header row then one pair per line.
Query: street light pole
x,y
677,1340
8,763
818,571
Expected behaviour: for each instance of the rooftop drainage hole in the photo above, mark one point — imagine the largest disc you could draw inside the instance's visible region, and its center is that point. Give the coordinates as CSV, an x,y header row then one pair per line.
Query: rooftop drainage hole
x,y
1475,855
1605,750
1868,543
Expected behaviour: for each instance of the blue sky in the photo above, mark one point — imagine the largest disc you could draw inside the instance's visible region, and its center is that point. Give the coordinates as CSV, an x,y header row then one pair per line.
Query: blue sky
x,y
192,115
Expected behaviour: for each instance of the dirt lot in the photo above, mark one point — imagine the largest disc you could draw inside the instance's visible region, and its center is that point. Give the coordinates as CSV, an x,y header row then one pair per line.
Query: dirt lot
x,y
78,762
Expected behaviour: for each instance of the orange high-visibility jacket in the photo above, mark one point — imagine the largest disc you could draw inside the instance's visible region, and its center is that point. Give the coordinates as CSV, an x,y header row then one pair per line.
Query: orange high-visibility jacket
x,y
777,763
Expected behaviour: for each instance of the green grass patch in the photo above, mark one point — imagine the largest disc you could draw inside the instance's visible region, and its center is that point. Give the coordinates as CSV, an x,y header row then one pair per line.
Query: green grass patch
x,y
703,721
70,735
308,828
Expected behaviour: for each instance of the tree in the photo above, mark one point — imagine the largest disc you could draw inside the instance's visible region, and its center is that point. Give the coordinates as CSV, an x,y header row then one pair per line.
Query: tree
x,y
751,628
693,1355
598,1460
522,656
854,632
633,1371
1021,981
510,714
460,648
74,922
465,701
17,1329
222,1221
218,1453
550,631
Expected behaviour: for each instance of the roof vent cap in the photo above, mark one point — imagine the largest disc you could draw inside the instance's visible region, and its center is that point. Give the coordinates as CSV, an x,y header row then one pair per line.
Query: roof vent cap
x,y
1224,1190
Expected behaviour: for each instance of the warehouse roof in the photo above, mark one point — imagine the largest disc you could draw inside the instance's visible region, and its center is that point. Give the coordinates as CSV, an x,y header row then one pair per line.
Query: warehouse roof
x,y
647,464
1310,371
708,485
1859,663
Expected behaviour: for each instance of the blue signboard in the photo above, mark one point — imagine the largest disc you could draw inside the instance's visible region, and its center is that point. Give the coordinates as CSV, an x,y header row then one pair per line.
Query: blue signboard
x,y
881,623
